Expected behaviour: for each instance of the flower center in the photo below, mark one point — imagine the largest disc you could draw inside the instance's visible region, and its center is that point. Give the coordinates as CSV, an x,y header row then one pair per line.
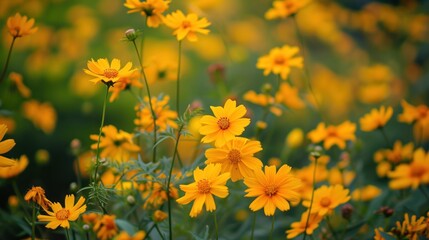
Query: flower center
x,y
62,214
325,201
331,131
423,111
223,123
203,186
234,156
110,224
110,73
186,24
417,172
271,190
279,60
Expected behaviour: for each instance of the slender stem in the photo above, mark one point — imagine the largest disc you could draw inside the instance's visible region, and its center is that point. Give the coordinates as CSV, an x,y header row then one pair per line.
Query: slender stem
x,y
253,226
312,197
7,60
178,78
159,231
67,233
33,222
384,135
216,227
150,101
334,235
272,227
148,231
169,180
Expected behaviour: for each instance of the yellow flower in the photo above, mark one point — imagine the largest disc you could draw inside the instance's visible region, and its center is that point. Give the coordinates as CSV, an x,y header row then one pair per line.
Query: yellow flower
x,y
413,174
152,9
227,123
15,170
280,60
236,157
417,115
299,227
376,119
140,235
366,193
5,146
125,83
285,8
60,216
107,73
186,26
333,135
273,190
155,194
306,176
326,199
164,116
208,182
159,216
264,100
37,195
411,228
288,95
106,227
295,138
19,26
17,81
42,115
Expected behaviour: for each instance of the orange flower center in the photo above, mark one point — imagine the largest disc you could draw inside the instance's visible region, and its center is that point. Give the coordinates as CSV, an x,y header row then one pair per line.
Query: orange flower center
x,y
331,131
109,224
289,6
271,190
223,123
325,201
110,73
203,186
234,156
417,172
62,214
186,24
279,60
423,111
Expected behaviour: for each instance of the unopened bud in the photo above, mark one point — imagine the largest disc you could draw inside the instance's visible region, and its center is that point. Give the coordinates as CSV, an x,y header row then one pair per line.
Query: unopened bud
x,y
347,211
316,152
386,211
73,187
131,34
86,227
75,146
131,200
266,88
216,73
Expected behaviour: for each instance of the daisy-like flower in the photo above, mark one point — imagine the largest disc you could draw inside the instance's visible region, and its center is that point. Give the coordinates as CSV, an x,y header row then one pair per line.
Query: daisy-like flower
x,y
264,100
333,135
418,116
20,26
151,9
300,226
326,199
186,26
208,182
289,96
285,8
226,123
280,61
16,169
106,227
116,145
108,73
41,114
366,193
164,116
5,146
236,157
60,216
125,83
412,174
272,189
376,119
37,195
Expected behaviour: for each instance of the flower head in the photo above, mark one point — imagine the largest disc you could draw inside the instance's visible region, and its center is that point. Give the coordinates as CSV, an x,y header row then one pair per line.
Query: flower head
x,y
152,9
186,26
226,123
20,26
108,73
280,60
125,83
164,116
236,157
411,228
289,96
333,135
272,189
14,170
326,199
37,195
208,182
41,114
418,116
285,8
106,227
366,193
60,216
376,119
5,146
302,226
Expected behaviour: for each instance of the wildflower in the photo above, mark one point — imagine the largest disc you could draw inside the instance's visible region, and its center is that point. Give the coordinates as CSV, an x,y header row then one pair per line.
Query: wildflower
x,y
305,174
333,135
20,26
186,26
13,201
412,174
340,176
226,123
123,235
60,216
164,116
106,227
285,8
125,83
37,195
295,138
107,73
288,95
376,119
160,69
417,115
17,81
299,227
327,199
273,190
159,216
366,193
5,146
264,100
208,182
116,145
280,60
411,228
14,170
151,9
236,157
42,115
155,194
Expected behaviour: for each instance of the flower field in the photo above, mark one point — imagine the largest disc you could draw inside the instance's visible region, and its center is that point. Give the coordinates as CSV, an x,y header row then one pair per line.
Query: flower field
x,y
214,119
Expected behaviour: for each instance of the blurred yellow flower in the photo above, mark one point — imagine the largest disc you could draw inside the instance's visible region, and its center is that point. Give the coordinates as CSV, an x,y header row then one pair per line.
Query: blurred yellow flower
x,y
152,9
164,116
13,201
60,216
326,199
155,194
337,176
159,216
302,225
274,161
20,26
280,61
226,123
417,115
123,235
411,228
295,138
9,122
264,100
208,182
289,96
376,119
272,189
42,115
107,73
125,83
236,157
333,135
186,26
385,158
285,8
374,83
306,176
37,195
366,193
17,81
13,171
106,227
5,146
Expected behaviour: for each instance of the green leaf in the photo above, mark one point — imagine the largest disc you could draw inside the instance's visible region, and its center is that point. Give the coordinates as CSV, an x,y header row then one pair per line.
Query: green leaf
x,y
126,226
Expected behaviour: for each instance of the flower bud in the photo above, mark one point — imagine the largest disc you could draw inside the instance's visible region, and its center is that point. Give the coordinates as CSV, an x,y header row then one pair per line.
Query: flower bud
x,y
347,211
131,200
131,34
216,73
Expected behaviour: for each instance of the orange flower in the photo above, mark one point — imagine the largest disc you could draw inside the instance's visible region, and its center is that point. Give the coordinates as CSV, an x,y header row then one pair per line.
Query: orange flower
x,y
280,60
376,119
285,8
186,26
37,195
42,115
106,228
417,115
18,26
289,96
333,135
5,146
15,170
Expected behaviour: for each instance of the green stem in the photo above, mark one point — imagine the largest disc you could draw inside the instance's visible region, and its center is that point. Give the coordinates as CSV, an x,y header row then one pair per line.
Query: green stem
x,y
148,231
7,60
334,235
272,228
159,231
178,78
216,227
384,135
33,222
67,233
253,226
312,197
